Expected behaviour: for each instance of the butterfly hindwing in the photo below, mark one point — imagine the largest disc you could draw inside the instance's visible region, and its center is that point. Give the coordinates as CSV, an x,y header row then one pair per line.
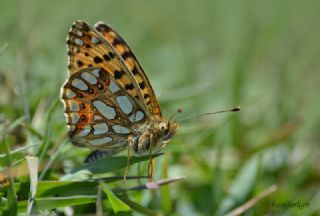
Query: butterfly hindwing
x,y
88,48
99,112
132,63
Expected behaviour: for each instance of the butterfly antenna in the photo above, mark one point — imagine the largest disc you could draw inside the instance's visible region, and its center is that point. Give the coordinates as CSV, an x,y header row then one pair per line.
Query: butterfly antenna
x,y
174,114
235,109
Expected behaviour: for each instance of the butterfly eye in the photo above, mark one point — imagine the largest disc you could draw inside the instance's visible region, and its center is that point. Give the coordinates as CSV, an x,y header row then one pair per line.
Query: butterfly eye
x,y
163,127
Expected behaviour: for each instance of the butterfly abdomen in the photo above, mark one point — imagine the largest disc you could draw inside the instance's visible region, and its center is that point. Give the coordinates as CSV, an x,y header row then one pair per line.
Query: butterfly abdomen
x,y
97,154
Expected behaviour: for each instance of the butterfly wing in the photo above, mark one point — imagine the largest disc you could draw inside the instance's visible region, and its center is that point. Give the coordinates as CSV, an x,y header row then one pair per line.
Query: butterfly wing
x,y
132,63
88,48
99,112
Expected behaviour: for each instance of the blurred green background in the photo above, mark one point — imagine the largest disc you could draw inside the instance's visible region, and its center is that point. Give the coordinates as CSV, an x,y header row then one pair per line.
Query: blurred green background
x,y
200,56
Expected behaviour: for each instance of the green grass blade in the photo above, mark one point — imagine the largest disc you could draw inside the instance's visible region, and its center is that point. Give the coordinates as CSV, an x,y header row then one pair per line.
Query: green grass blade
x,y
139,208
66,188
116,203
57,202
11,205
110,164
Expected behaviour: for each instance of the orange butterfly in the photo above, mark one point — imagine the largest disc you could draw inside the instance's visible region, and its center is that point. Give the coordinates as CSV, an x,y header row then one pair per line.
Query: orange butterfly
x,y
109,102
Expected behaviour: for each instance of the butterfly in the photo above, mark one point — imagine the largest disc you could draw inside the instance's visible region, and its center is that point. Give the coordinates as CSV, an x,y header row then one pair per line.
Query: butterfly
x,y
109,102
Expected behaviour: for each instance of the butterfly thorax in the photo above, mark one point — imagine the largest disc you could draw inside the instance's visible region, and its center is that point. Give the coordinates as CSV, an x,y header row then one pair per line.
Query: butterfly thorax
x,y
153,136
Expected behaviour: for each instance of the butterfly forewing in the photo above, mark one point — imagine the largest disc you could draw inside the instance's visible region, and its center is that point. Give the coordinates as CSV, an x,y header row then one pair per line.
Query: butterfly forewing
x,y
99,112
132,63
88,48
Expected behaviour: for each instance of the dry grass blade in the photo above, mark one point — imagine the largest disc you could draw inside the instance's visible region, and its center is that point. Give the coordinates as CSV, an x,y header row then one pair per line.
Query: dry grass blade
x,y
33,171
151,185
253,201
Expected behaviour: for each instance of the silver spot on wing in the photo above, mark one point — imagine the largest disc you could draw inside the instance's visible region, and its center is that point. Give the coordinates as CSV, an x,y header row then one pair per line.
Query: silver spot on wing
x,y
100,141
113,87
96,72
79,33
89,78
70,93
79,84
74,118
136,117
78,41
120,129
139,116
97,117
73,106
125,104
85,131
104,109
95,40
100,128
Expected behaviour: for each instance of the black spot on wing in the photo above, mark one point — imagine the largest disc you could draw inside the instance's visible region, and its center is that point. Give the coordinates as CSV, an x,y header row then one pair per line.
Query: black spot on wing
x,y
83,26
79,63
127,54
80,95
100,87
90,90
134,71
118,74
117,41
142,85
106,57
103,28
129,86
111,55
97,59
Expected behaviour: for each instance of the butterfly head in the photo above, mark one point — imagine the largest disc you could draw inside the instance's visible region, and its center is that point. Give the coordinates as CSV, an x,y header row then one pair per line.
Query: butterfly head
x,y
167,130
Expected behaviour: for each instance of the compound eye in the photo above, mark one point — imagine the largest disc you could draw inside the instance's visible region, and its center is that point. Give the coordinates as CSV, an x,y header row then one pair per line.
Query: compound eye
x,y
163,126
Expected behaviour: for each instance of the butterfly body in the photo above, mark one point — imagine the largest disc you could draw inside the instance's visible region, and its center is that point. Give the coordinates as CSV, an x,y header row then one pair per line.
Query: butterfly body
x,y
153,135
108,100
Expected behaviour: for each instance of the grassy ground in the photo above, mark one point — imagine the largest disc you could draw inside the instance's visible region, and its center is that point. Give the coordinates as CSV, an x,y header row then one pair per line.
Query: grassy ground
x,y
200,56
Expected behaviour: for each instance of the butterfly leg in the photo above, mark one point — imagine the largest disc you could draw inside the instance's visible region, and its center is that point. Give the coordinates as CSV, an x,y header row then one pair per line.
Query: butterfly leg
x,y
151,161
150,167
128,160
